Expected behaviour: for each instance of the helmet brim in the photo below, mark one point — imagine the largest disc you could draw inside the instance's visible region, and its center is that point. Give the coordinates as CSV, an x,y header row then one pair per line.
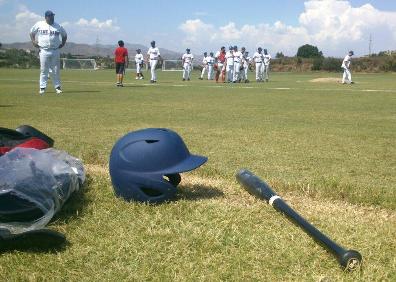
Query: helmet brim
x,y
190,163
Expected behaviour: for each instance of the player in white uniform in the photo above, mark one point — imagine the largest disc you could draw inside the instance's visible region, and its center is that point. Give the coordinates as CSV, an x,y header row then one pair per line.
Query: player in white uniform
x,y
237,64
211,62
258,60
45,35
187,59
204,65
346,63
153,55
265,65
230,64
139,64
245,62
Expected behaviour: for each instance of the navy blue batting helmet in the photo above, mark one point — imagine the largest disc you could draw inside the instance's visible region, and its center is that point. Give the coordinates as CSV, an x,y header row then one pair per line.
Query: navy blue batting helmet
x,y
145,165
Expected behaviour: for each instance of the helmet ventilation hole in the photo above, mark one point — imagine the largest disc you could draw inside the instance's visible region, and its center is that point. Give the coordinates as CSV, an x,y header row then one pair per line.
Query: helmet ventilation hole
x,y
151,141
151,192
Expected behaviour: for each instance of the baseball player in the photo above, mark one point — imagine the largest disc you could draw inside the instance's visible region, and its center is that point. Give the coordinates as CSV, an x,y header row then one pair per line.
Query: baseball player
x,y
153,55
45,35
139,64
258,60
187,59
346,63
230,64
237,64
220,65
204,64
211,62
121,62
245,61
265,65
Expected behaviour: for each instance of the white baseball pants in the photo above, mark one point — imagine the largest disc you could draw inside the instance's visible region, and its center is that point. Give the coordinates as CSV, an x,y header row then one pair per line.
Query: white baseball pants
x,y
186,70
347,76
153,64
258,71
210,72
230,70
236,71
49,59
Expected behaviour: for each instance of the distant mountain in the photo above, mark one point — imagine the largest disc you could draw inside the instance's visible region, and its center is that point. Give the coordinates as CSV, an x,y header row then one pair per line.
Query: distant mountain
x,y
86,50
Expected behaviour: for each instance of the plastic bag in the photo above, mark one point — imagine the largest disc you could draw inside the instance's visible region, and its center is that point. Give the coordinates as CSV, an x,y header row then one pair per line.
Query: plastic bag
x,y
34,185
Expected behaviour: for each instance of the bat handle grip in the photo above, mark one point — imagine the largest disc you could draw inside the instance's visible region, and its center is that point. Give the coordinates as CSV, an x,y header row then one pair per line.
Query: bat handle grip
x,y
255,185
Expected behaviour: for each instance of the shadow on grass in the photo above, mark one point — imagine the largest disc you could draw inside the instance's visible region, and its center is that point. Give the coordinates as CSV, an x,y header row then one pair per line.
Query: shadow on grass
x,y
82,91
198,192
133,86
6,106
47,240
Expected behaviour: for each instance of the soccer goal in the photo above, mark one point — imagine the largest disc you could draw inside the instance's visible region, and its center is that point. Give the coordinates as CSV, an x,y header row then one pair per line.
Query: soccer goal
x,y
79,64
172,65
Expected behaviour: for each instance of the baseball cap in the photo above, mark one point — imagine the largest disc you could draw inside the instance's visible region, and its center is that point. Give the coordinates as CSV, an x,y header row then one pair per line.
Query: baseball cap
x,y
49,13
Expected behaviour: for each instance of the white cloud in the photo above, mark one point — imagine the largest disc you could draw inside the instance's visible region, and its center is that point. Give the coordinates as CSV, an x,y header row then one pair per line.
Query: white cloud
x,y
82,31
87,30
18,30
332,25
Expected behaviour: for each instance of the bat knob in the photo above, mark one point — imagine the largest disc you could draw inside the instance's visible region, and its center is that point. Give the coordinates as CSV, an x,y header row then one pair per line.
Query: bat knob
x,y
351,260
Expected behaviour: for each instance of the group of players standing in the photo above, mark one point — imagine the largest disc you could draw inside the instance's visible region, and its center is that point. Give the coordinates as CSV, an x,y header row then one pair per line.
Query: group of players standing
x,y
230,66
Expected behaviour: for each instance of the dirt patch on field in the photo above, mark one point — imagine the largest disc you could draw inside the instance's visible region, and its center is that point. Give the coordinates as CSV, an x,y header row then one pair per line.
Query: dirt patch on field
x,y
326,80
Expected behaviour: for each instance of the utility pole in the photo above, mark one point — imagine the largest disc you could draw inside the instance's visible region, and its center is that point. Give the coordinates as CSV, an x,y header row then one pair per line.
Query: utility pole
x,y
370,44
97,45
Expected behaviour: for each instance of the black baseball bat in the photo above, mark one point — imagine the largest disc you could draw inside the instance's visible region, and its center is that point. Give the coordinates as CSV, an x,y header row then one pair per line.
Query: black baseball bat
x,y
348,259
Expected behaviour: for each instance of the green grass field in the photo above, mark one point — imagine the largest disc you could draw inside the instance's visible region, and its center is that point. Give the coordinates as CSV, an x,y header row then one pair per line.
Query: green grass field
x,y
328,149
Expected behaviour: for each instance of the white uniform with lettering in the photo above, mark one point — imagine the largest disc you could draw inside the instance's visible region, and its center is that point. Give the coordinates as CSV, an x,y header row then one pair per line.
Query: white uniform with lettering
x,y
229,65
211,62
48,39
187,65
139,62
154,54
258,60
346,63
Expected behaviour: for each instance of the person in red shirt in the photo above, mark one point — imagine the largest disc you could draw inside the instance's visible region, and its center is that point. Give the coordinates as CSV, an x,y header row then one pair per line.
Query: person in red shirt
x,y
220,65
121,62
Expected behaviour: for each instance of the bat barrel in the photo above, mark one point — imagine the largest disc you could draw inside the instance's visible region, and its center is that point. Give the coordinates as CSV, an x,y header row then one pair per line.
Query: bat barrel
x,y
349,259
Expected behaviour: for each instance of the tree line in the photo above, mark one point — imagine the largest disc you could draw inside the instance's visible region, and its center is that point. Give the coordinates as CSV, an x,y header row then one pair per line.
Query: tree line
x,y
308,58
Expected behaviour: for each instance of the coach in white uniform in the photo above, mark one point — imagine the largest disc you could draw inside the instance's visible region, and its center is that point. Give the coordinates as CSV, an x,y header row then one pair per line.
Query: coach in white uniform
x,y
187,64
258,60
154,55
45,35
265,65
346,63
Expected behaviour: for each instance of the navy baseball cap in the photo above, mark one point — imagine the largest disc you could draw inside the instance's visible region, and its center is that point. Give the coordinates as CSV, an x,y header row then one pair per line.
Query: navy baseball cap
x,y
49,13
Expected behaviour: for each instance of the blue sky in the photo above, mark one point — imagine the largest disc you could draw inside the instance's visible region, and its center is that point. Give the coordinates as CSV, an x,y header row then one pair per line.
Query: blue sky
x,y
332,25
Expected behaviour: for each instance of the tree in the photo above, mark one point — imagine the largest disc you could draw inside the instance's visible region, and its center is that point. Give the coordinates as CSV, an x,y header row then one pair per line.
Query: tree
x,y
279,55
309,51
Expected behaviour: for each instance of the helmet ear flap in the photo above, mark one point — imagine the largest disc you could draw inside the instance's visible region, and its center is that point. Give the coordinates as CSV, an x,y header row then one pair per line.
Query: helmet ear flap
x,y
174,178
